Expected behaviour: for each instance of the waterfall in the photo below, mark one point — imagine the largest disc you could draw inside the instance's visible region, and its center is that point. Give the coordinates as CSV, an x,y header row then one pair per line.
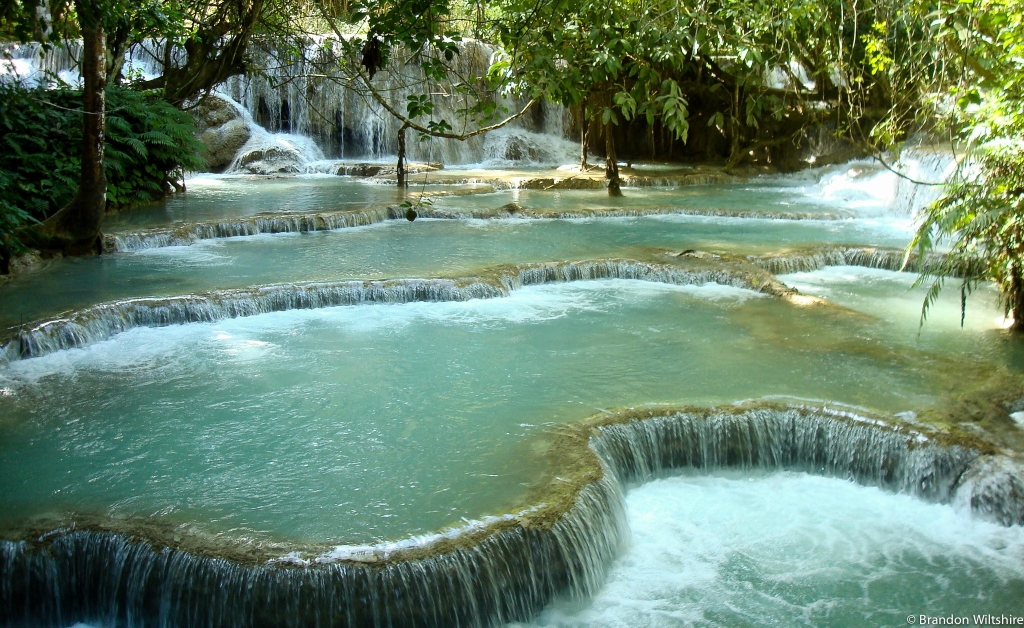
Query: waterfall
x,y
36,65
183,234
100,322
302,94
858,450
816,259
506,576
869,182
501,570
189,233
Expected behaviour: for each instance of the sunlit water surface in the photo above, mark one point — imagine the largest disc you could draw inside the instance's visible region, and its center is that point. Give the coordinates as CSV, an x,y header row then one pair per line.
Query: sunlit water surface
x,y
369,422
225,197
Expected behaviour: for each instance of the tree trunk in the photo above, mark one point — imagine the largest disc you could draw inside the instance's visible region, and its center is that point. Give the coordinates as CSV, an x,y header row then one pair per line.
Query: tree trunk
x,y
734,128
401,156
1014,294
584,166
584,137
611,163
75,228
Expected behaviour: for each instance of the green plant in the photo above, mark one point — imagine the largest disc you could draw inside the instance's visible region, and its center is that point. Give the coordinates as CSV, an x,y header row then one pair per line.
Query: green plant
x,y
149,144
981,212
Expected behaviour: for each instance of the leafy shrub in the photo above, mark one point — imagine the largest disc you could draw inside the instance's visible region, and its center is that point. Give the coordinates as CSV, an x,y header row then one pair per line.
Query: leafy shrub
x,y
148,143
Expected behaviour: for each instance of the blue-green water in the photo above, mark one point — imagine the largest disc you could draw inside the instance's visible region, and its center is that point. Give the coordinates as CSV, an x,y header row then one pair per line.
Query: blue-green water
x,y
372,422
424,248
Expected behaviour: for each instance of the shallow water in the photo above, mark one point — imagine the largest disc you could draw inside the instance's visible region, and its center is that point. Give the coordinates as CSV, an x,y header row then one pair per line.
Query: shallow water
x,y
769,196
895,300
223,197
370,422
425,248
730,548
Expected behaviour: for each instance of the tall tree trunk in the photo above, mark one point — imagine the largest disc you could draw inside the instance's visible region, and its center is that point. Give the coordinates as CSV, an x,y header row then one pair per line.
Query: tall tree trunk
x,y
1014,294
401,156
584,136
611,163
75,228
734,129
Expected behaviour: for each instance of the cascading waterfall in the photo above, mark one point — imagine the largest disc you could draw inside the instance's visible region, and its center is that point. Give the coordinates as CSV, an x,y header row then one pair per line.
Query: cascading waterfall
x,y
190,233
100,322
501,571
803,262
35,64
296,95
924,171
255,225
508,575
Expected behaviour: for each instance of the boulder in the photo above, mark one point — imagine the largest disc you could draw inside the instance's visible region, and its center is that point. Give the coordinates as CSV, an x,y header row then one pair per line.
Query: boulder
x,y
223,130
272,159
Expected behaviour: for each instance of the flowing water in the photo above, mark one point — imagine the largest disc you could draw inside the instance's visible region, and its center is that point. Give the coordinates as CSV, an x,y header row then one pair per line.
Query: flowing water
x,y
425,248
391,420
284,397
791,549
219,197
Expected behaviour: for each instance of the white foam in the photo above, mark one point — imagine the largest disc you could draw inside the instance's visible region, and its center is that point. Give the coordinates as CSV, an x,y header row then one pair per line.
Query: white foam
x,y
793,549
822,281
870,187
201,254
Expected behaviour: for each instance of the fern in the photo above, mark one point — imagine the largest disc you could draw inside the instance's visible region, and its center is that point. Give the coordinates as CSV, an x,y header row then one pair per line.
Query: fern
x,y
147,140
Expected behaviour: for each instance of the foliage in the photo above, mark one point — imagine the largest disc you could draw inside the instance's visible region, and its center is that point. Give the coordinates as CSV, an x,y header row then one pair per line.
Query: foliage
x,y
148,144
982,211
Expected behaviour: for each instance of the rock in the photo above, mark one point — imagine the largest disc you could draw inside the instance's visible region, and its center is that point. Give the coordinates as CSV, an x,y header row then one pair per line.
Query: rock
x,y
274,159
570,183
28,262
223,130
278,153
511,208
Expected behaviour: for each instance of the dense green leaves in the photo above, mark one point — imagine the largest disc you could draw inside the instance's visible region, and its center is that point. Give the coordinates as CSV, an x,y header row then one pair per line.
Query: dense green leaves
x,y
149,142
982,212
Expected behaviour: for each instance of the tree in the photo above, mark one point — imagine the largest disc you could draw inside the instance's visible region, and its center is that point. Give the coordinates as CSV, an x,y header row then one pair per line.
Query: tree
x,y
214,37
608,60
982,211
428,32
75,228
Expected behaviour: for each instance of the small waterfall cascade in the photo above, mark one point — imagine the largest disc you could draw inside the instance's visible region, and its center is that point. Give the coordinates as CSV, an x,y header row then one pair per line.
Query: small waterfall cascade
x,y
181,235
838,445
100,322
816,259
488,573
35,65
868,183
272,153
299,95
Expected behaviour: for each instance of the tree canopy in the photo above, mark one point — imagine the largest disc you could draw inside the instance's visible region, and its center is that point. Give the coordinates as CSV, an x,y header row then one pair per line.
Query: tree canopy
x,y
735,79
